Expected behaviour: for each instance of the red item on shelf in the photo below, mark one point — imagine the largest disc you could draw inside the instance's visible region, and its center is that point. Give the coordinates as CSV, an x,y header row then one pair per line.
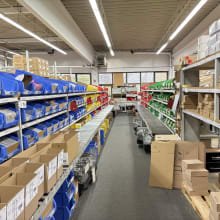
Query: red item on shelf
x,y
73,106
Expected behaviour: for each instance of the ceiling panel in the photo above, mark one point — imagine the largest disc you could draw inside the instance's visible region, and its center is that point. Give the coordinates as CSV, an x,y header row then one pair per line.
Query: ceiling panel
x,y
136,24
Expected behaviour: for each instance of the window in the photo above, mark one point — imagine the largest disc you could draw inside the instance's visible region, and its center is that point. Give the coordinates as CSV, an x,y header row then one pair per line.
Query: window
x,y
147,77
83,78
160,76
105,78
133,77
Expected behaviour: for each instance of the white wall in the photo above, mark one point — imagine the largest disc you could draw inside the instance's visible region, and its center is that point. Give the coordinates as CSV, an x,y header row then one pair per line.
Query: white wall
x,y
188,45
127,62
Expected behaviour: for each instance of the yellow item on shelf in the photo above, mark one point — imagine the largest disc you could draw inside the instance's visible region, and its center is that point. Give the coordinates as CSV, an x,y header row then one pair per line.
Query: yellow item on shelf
x,y
107,123
103,126
91,88
76,125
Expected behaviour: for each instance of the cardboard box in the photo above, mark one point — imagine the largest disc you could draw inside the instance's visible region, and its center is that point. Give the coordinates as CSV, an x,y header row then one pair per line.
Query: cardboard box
x,y
167,137
28,182
215,201
48,209
3,211
192,164
50,169
214,215
35,168
5,172
39,148
162,163
13,196
59,154
69,142
214,142
191,192
14,162
177,180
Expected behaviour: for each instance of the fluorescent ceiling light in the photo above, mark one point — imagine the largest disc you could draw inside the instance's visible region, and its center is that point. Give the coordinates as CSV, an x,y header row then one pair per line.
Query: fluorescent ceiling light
x,y
112,52
188,18
13,23
162,48
99,19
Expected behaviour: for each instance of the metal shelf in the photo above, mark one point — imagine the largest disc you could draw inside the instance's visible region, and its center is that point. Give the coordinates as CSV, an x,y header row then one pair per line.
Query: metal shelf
x,y
9,131
201,118
163,102
42,97
201,90
83,93
172,119
203,62
85,136
160,90
8,100
37,121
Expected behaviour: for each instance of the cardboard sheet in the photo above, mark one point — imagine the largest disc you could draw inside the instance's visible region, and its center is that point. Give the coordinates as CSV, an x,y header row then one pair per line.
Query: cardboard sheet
x,y
162,164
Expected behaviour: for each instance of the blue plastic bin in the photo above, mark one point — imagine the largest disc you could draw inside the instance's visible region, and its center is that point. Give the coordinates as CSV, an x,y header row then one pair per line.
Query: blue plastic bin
x,y
28,113
5,144
29,138
50,129
8,117
50,216
64,213
42,127
102,136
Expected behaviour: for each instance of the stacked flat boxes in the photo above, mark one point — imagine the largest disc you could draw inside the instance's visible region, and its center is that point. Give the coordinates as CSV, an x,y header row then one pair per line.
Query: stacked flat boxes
x,y
36,65
195,177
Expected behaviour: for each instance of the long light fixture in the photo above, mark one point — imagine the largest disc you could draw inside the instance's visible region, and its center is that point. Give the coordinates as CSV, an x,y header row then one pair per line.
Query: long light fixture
x,y
99,19
162,48
18,26
184,23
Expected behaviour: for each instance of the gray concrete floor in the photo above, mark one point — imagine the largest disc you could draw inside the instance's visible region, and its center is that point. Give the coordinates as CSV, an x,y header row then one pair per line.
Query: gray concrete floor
x,y
121,191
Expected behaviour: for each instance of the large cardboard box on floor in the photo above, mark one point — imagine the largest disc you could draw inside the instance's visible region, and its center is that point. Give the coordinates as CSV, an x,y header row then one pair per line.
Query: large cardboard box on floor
x,y
28,182
50,170
34,168
162,163
167,137
192,164
13,198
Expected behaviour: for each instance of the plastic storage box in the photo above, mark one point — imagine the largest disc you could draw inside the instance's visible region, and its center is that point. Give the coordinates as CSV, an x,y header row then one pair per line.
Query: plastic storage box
x,y
8,117
9,146
29,138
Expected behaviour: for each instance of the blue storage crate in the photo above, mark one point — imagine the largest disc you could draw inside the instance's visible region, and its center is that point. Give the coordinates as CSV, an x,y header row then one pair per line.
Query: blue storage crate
x,y
102,136
48,108
50,216
62,104
55,125
8,84
54,106
28,113
65,213
8,117
66,184
38,132
29,138
50,128
63,198
39,109
7,149
42,127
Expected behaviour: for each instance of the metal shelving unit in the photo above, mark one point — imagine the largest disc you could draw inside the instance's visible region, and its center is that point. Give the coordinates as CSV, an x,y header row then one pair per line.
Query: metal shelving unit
x,y
160,90
191,120
163,102
86,133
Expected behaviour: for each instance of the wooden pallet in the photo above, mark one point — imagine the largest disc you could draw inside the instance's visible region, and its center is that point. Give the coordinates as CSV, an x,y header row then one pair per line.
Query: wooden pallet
x,y
199,203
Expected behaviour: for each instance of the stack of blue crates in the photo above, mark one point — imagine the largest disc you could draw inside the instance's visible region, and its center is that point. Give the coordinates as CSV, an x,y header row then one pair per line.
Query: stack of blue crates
x,y
65,199
92,149
50,215
78,113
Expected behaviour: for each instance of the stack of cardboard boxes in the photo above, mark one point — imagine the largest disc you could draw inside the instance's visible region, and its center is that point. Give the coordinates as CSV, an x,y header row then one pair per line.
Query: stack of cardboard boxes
x,y
189,101
206,105
214,213
36,65
206,78
195,177
25,178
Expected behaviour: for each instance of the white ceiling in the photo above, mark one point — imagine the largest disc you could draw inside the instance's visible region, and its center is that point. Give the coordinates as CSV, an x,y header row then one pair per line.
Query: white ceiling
x,y
132,24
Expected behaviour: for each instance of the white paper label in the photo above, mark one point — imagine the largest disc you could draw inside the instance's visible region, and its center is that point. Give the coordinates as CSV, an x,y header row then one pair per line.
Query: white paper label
x,y
31,191
3,213
40,175
52,167
65,159
60,159
22,104
16,206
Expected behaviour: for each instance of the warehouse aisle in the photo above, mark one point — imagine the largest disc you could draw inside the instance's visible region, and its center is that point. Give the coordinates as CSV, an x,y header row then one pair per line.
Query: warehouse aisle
x,y
121,191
